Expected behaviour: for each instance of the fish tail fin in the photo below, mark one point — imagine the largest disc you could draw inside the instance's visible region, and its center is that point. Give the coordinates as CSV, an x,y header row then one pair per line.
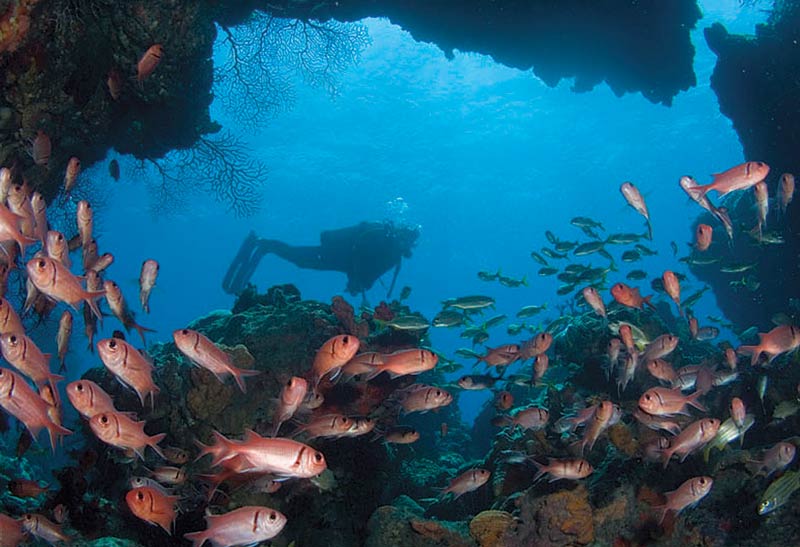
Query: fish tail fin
x,y
647,300
153,441
56,432
693,400
504,421
649,230
239,374
662,512
89,297
141,330
197,538
753,351
524,280
541,470
697,191
667,456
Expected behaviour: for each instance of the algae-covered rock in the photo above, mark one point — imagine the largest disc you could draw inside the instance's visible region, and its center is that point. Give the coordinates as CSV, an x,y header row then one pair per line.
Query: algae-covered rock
x,y
555,520
489,527
402,526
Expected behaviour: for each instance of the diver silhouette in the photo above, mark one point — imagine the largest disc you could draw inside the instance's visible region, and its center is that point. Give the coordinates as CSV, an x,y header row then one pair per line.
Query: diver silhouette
x,y
363,252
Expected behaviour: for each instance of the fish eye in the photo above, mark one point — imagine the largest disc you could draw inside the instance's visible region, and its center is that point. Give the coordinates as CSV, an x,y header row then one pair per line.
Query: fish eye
x,y
346,340
185,331
12,339
79,387
112,343
647,396
317,457
104,419
290,382
140,496
42,263
438,392
273,516
28,516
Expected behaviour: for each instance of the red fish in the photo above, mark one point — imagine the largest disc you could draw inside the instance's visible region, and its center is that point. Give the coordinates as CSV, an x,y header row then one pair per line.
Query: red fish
x,y
540,366
39,208
504,400
62,337
114,83
537,345
694,327
129,366
56,247
41,148
26,357
328,426
203,353
600,421
292,396
635,200
22,402
85,220
786,191
283,458
71,175
741,177
405,362
533,418
120,309
630,297
662,370
692,438
773,343
153,507
762,203
660,401
466,482
42,528
501,355
332,356
775,459
10,229
737,412
702,237
23,488
731,358
244,526
564,469
149,61
592,298
673,288
147,280
10,531
626,333
119,430
9,319
688,493
689,184
56,281
401,435
422,398
89,399
660,347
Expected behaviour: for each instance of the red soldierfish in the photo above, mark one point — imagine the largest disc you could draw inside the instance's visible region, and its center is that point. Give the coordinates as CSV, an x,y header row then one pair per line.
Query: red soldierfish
x,y
466,482
203,353
129,366
11,531
22,402
152,506
689,184
694,327
149,61
421,398
71,176
626,333
120,309
702,237
731,358
85,221
283,458
10,229
26,357
775,342
9,319
89,399
533,418
39,208
662,370
660,347
630,297
786,191
39,526
244,526
147,280
56,281
762,203
635,200
332,356
292,396
661,401
325,426
600,421
774,459
688,493
673,288
536,345
592,298
62,338
737,412
56,247
501,355
693,437
41,148
405,362
119,430
564,469
741,177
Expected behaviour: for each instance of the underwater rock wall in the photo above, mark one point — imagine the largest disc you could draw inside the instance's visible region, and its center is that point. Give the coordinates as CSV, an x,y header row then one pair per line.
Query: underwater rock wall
x,y
756,82
640,47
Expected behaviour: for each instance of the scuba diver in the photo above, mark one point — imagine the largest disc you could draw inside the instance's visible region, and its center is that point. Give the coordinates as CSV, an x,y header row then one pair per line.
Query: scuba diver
x,y
363,252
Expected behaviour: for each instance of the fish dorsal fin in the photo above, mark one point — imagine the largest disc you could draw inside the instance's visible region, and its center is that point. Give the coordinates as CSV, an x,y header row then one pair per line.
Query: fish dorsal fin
x,y
251,435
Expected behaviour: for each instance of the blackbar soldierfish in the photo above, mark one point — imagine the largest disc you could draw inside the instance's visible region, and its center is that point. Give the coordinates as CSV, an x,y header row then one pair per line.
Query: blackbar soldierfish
x,y
688,493
89,399
56,281
635,200
22,402
244,526
660,401
147,280
121,431
775,342
203,353
153,506
332,356
466,482
292,396
129,366
740,177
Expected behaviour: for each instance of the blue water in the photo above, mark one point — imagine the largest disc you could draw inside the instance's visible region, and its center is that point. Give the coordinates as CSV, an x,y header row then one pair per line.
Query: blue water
x,y
483,157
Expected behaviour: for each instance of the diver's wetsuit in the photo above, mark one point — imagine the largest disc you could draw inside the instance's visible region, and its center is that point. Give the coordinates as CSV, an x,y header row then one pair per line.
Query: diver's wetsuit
x,y
363,252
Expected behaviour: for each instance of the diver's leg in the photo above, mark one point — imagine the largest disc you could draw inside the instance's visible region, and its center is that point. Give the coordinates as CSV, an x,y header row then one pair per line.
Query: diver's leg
x,y
308,257
233,283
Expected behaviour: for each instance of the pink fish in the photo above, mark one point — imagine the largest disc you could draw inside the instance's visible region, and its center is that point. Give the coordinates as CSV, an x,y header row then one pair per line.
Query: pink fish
x,y
21,401
786,191
737,412
422,398
56,281
692,438
129,366
687,494
779,340
535,346
332,356
660,401
292,396
775,459
147,280
149,61
71,175
660,347
244,526
121,431
689,184
203,353
635,200
564,469
702,237
592,298
405,362
673,288
762,204
41,149
89,399
26,357
466,482
532,418
501,355
740,177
